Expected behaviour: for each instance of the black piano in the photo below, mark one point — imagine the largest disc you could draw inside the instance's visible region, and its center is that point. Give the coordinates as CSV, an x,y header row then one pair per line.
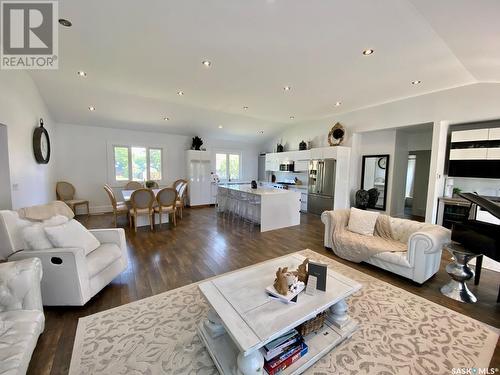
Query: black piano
x,y
477,236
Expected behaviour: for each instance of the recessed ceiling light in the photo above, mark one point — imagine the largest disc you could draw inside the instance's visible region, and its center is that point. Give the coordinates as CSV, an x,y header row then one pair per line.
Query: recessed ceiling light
x,y
81,73
65,23
417,82
368,52
166,118
206,63
91,108
220,126
338,104
261,131
287,88
292,117
245,108
180,93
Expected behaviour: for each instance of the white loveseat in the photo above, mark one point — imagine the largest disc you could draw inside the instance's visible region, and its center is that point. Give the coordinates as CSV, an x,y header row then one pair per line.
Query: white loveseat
x,y
424,243
21,314
70,276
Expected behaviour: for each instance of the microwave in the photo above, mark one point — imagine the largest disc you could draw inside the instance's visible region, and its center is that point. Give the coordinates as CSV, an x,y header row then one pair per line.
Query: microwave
x,y
286,167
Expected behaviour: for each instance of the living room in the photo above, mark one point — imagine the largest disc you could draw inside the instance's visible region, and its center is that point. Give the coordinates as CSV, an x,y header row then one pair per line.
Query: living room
x,y
159,176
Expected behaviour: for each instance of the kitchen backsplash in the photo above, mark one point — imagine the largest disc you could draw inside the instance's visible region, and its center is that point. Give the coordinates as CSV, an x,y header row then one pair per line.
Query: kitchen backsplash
x,y
483,186
289,176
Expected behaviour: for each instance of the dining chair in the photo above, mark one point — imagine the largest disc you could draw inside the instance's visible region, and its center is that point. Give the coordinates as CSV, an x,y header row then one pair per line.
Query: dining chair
x,y
181,196
166,198
133,185
142,201
119,208
66,192
177,184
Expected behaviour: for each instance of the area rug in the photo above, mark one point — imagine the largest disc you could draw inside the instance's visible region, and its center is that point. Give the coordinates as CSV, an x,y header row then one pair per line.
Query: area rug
x,y
399,333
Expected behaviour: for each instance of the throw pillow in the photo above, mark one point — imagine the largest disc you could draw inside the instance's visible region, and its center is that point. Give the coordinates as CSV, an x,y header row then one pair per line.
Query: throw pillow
x,y
72,234
35,237
362,222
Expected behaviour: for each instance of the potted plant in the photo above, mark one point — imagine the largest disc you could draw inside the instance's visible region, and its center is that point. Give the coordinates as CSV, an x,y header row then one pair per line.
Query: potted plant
x,y
196,144
150,184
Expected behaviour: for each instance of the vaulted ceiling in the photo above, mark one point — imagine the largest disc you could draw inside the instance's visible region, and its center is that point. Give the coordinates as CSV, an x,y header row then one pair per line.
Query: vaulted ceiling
x,y
139,54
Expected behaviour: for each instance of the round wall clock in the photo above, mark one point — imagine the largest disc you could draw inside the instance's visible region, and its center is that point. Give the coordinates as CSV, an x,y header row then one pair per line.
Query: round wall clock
x,y
336,135
41,144
382,163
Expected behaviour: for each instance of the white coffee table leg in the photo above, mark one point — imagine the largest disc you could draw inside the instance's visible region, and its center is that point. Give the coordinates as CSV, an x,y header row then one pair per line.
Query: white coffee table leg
x,y
338,314
213,324
252,364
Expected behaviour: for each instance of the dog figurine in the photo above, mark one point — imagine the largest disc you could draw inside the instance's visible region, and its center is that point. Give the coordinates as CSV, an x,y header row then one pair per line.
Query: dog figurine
x,y
280,283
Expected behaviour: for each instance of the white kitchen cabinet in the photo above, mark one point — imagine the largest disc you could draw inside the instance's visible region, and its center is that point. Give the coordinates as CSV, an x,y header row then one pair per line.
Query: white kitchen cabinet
x,y
470,135
316,153
301,165
199,178
494,134
468,153
303,201
303,155
493,153
272,162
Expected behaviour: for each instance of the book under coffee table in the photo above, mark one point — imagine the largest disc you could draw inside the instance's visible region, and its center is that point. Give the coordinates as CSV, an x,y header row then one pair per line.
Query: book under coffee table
x,y
243,318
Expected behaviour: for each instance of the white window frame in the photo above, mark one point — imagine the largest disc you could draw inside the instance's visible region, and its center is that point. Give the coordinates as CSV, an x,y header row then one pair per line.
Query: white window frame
x,y
228,152
111,162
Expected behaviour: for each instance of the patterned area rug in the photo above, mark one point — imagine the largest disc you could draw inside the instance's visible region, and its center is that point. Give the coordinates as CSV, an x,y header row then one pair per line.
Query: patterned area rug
x,y
399,333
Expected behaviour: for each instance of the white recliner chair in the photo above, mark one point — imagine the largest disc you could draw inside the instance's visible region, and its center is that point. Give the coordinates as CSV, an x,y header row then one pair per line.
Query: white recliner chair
x,y
21,314
424,243
71,277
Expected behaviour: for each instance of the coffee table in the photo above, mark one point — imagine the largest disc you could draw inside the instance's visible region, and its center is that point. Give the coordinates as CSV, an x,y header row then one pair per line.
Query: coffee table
x,y
243,318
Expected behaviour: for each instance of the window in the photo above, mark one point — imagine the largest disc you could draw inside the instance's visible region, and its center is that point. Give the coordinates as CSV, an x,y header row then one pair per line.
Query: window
x,y
227,166
137,163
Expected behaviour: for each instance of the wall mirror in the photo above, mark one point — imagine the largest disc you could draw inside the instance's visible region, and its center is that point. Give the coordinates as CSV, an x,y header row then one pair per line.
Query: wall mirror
x,y
374,174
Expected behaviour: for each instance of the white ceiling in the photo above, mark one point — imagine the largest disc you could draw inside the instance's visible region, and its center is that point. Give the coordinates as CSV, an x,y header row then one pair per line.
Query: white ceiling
x,y
139,54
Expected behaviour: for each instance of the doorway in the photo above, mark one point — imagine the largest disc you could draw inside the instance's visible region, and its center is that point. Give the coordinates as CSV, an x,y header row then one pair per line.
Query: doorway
x,y
5,197
417,181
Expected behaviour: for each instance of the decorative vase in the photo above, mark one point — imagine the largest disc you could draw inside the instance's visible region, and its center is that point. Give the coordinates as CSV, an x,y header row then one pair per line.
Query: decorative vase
x,y
279,147
302,146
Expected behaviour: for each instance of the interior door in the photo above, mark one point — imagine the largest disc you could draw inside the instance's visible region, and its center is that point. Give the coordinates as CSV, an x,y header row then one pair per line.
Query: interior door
x,y
5,196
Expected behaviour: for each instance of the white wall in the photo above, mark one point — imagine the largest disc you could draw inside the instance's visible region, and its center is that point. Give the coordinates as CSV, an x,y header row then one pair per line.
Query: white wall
x,y
5,196
21,107
82,157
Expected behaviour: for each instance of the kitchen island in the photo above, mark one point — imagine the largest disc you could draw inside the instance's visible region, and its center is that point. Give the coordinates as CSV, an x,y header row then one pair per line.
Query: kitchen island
x,y
272,208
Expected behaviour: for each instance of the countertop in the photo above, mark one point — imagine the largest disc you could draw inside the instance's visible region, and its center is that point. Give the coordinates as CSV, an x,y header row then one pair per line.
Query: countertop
x,y
246,188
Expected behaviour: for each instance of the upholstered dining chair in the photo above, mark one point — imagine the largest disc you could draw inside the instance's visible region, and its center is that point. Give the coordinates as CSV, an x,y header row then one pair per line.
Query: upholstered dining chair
x,y
142,201
178,183
66,192
133,185
119,208
166,198
181,197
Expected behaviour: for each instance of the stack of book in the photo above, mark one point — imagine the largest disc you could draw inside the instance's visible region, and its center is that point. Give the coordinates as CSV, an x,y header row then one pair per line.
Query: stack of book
x,y
283,352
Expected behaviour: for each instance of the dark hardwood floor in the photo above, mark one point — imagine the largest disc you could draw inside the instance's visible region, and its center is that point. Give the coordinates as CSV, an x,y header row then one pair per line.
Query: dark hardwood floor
x,y
203,245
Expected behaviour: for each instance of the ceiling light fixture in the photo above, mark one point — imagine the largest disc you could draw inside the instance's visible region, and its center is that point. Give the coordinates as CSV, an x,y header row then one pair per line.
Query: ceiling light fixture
x,y
338,104
91,108
261,131
206,63
65,23
368,52
287,88
166,118
180,93
292,117
245,108
220,126
81,73
417,82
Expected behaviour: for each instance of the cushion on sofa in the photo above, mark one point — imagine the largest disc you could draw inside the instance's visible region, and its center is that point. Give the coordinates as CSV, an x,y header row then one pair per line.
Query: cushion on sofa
x,y
72,234
102,257
397,258
35,237
362,222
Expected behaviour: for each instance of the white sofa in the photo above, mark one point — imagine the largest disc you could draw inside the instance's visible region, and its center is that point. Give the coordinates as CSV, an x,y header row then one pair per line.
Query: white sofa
x,y
71,277
21,314
424,243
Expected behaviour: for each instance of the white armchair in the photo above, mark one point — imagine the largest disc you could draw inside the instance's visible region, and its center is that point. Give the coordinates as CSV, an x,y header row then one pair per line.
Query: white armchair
x,y
71,277
424,243
21,314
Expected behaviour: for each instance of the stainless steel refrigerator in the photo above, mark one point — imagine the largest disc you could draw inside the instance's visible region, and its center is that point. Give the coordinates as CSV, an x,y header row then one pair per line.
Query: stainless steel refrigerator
x,y
321,188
